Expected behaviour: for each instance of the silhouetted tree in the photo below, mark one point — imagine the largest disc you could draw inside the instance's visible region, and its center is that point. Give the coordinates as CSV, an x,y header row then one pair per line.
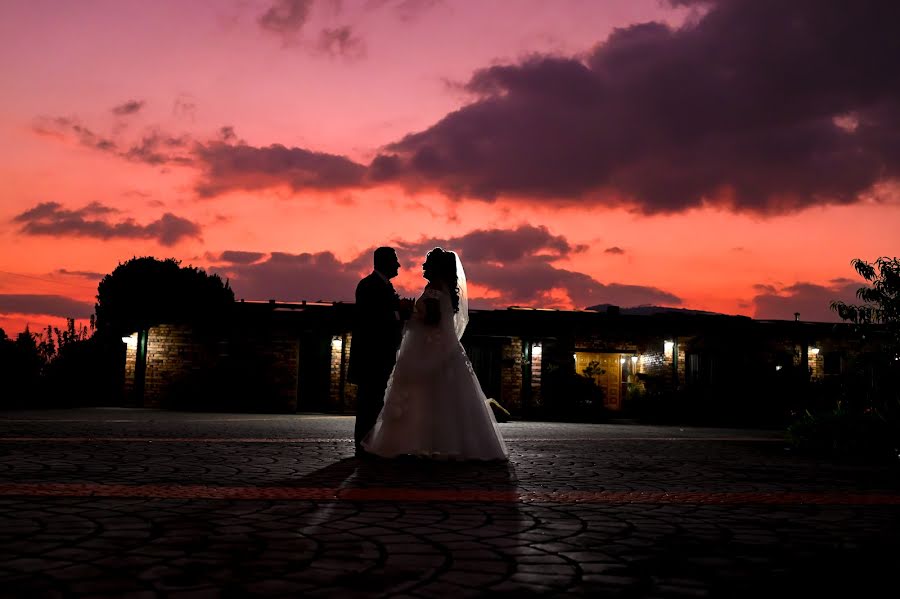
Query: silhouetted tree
x,y
865,415
144,292
881,301
881,309
20,369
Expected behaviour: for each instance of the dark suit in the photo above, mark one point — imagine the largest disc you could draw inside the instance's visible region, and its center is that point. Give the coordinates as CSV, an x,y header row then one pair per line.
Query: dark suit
x,y
377,330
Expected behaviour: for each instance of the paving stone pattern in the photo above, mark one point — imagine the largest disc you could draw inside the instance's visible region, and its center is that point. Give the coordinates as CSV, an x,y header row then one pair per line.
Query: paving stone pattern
x,y
792,524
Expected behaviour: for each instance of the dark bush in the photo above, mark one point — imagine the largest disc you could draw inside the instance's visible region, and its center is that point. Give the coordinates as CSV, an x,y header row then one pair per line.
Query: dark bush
x,y
572,397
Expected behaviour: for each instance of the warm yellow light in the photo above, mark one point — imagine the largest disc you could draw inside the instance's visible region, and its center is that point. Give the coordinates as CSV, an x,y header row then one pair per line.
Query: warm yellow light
x,y
814,351
668,347
536,350
337,343
633,359
621,360
130,340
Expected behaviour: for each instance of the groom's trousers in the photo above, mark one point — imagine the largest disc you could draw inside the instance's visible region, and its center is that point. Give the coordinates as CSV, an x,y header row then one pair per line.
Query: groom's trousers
x,y
369,401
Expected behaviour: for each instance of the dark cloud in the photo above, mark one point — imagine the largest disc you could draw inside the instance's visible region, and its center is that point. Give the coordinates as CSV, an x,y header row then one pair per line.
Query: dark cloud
x,y
129,107
227,134
46,305
614,250
52,210
158,148
513,265
764,289
154,147
294,277
239,257
495,246
86,274
341,42
94,220
516,265
539,284
752,105
755,105
64,127
810,300
285,17
409,11
229,167
171,229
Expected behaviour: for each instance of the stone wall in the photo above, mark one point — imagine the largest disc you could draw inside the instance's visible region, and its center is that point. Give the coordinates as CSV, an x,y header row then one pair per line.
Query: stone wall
x,y
130,362
816,364
172,354
657,362
511,375
282,352
342,393
536,369
248,370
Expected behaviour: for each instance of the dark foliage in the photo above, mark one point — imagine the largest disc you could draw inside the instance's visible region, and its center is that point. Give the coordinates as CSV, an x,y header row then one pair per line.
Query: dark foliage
x,y
858,414
60,368
881,301
569,396
87,372
20,369
145,291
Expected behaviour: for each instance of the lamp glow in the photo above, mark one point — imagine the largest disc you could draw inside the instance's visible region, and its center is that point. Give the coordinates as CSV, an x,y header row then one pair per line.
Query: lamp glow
x,y
668,347
814,351
337,343
130,340
536,350
634,359
621,360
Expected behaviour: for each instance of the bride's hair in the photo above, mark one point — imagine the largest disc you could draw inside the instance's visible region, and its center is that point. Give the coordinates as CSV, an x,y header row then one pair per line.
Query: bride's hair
x,y
444,263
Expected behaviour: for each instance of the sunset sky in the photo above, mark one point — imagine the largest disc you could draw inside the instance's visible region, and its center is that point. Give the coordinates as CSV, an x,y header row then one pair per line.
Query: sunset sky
x,y
729,155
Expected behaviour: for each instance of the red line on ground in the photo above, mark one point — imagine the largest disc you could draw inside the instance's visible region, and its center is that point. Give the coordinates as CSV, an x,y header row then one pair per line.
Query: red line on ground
x,y
341,440
171,440
441,495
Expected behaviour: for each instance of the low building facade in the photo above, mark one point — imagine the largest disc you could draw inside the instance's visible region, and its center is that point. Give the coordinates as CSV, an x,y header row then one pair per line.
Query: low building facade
x,y
293,357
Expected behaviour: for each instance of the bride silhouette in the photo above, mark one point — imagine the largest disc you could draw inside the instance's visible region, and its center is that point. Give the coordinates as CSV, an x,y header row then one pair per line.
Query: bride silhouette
x,y
433,405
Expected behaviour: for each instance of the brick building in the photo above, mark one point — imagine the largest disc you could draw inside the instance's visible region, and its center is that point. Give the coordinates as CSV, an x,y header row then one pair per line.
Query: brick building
x,y
290,357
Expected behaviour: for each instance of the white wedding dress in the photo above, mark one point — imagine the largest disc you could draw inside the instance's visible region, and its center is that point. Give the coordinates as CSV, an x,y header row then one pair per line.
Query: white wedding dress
x,y
433,405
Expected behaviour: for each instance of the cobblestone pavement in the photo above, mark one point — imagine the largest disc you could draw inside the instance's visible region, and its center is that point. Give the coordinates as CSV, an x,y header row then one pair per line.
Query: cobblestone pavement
x,y
112,502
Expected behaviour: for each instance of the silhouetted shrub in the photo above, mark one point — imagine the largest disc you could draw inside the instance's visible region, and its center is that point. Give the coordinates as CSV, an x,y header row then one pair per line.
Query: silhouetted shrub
x,y
846,432
572,397
87,372
20,371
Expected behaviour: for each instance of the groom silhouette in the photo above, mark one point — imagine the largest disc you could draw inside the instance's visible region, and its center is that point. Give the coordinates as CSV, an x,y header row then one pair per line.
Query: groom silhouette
x,y
377,329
